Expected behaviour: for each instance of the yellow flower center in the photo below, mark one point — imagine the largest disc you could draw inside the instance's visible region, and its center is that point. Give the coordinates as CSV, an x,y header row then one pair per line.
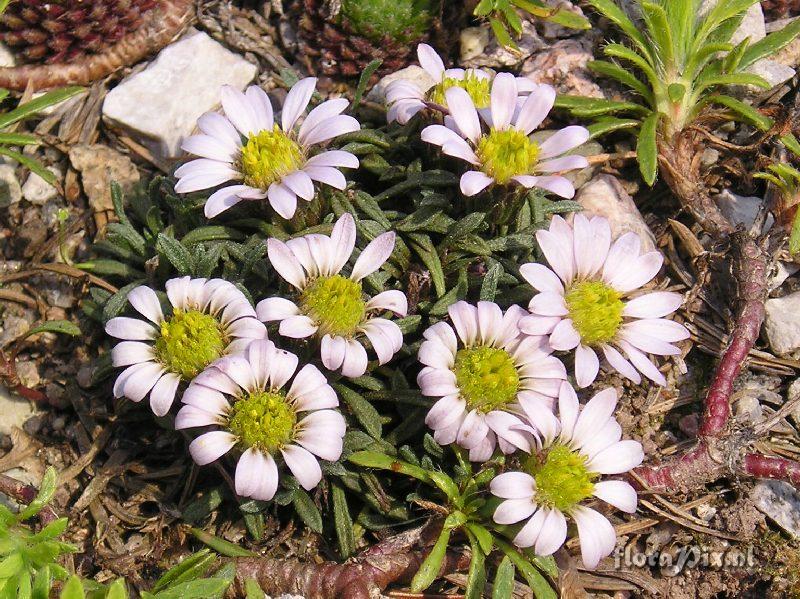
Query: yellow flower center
x,y
596,311
486,377
335,304
268,156
505,154
562,480
189,341
478,89
263,420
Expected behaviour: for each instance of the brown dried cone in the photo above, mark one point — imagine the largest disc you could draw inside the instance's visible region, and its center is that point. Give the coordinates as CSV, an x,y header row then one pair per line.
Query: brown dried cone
x,y
780,8
329,45
55,31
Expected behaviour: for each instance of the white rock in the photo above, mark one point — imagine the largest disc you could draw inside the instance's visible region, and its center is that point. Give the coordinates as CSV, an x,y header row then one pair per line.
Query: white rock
x,y
10,191
782,323
783,270
496,56
7,58
563,65
773,71
741,210
38,191
413,74
605,196
779,501
473,41
15,411
161,104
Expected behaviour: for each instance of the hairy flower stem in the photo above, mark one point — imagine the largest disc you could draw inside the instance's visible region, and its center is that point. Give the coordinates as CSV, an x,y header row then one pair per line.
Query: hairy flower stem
x,y
394,560
719,451
160,27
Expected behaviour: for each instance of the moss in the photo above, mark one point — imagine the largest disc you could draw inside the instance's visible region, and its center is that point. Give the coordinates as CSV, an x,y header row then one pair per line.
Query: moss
x,y
400,20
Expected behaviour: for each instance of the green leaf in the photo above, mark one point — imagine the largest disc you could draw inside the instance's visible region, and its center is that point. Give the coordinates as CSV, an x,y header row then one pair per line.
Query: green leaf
x,y
211,233
704,83
490,280
770,44
794,237
625,53
42,583
363,81
538,584
610,10
177,253
221,546
609,124
191,568
429,569
676,91
253,590
117,590
11,565
110,268
342,521
447,486
483,536
36,105
376,459
46,491
647,149
743,111
64,327
501,33
659,31
19,139
305,508
53,530
791,143
588,107
476,577
207,588
365,412
504,580
424,248
609,69
31,163
73,589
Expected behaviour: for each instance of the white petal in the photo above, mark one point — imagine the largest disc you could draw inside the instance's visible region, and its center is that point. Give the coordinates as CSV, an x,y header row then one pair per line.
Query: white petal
x,y
553,534
548,303
355,359
445,412
637,273
331,128
217,126
374,255
328,175
276,308
503,100
145,301
541,278
256,475
653,305
512,511
203,174
163,393
561,186
393,300
535,109
299,183
540,417
474,182
462,109
587,365
659,328
564,336
284,365
285,262
310,390
209,147
620,364
303,465
296,101
594,415
139,385
332,351
430,61
557,249
621,255
261,107
646,343
473,430
642,363
325,111
320,439
527,535
513,485
239,111
335,158
191,417
131,352
565,163
563,141
568,410
343,238
597,536
211,446
227,197
282,199
465,320
618,493
297,327
618,458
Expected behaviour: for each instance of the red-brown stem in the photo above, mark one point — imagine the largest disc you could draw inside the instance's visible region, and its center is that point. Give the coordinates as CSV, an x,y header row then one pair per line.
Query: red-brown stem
x,y
761,466
160,27
24,493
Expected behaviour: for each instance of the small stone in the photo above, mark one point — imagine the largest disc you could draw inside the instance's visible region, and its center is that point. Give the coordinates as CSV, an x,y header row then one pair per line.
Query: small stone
x,y
15,411
161,104
779,501
605,196
741,210
84,377
689,424
773,71
563,65
10,190
705,512
473,42
7,58
497,56
748,409
28,373
38,191
781,272
782,323
552,30
709,157
791,393
412,74
99,165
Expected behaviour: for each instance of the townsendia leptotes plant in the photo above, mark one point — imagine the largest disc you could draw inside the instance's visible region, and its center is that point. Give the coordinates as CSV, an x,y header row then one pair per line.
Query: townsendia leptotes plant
x,y
677,60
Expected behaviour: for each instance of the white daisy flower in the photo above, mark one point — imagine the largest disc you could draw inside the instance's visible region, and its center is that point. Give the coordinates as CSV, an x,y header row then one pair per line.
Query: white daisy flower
x,y
209,319
503,151
269,160
406,98
584,301
246,398
331,305
489,376
577,448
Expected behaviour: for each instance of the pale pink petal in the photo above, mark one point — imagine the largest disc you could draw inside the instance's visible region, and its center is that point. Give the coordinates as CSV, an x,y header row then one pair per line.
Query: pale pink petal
x,y
430,61
211,446
334,158
381,343
296,101
553,534
621,255
136,387
540,416
163,393
217,126
256,475
325,111
192,416
642,363
300,184
558,252
563,141
285,262
343,238
448,410
436,383
393,300
203,174
597,536
503,100
297,327
304,466
374,255
355,359
513,485
328,175
465,320
535,109
565,163
512,511
227,197
538,325
605,436
318,437
462,109
145,301
556,184
594,415
620,364
548,303
510,429
122,379
332,351
131,352
474,182
276,308
541,278
333,127
527,535
587,365
261,107
568,410
646,343
564,336
444,333
239,111
617,458
209,147
638,272
473,430
282,199
458,148
659,328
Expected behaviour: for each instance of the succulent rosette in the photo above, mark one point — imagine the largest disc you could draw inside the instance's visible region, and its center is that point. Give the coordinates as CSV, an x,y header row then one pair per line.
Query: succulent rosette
x,y
491,380
255,410
210,318
579,446
331,305
502,151
267,159
406,98
590,300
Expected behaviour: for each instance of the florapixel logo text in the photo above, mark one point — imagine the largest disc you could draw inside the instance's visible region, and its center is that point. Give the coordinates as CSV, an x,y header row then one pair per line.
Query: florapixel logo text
x,y
672,562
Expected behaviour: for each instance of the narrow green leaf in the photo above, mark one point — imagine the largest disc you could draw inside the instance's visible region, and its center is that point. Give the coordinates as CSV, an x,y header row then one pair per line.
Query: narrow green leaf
x,y
483,536
190,568
363,81
211,233
376,459
647,149
64,327
42,583
476,577
676,91
610,10
446,485
609,69
743,111
501,33
769,45
365,412
73,589
305,508
490,280
177,253
504,580
659,31
429,569
36,105
46,490
253,590
791,143
19,139
221,546
117,590
538,584
11,565
794,237
31,163
342,521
